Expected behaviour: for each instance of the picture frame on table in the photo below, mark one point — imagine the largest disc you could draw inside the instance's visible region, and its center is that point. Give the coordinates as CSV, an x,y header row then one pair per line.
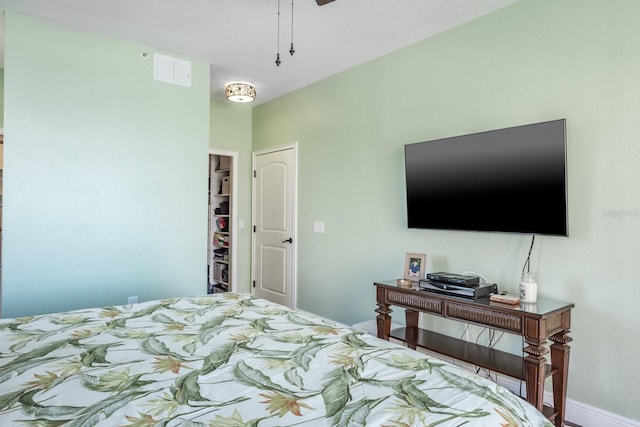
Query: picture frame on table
x,y
414,266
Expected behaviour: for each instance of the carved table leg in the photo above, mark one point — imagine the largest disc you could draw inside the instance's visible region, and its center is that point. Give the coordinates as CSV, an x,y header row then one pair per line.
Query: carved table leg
x,y
535,372
560,362
411,318
383,319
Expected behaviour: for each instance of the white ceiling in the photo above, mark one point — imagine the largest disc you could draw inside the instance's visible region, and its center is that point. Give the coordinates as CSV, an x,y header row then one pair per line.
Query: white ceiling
x,y
239,37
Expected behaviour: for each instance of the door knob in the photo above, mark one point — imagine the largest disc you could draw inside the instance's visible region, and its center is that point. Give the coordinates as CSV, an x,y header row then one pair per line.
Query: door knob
x,y
290,240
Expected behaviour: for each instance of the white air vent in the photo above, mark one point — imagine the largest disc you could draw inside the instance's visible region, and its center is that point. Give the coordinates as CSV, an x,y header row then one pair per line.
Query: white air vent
x,y
172,70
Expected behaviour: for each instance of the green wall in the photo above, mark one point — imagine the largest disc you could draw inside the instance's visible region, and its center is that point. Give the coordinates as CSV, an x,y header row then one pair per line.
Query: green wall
x,y
530,62
231,130
1,97
105,177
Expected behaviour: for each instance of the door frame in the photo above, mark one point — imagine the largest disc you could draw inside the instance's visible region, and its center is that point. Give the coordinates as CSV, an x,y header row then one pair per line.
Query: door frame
x,y
233,223
294,147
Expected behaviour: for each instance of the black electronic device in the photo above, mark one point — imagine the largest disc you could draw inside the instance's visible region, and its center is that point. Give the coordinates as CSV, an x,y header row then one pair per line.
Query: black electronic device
x,y
507,180
454,279
469,292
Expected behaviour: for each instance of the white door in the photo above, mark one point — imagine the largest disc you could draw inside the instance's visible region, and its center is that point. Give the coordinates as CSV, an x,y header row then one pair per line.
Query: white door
x,y
274,201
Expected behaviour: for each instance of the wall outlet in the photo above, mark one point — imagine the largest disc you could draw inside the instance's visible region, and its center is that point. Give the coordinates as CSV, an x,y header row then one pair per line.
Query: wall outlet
x,y
132,300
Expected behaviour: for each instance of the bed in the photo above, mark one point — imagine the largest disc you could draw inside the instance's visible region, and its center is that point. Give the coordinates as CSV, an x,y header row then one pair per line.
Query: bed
x,y
231,360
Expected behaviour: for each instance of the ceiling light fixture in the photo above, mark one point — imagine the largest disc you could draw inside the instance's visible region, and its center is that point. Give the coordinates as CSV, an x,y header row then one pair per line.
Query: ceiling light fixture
x,y
240,92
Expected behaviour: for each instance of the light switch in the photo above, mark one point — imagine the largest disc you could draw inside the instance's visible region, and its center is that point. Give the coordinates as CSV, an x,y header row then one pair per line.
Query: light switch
x,y
241,224
318,227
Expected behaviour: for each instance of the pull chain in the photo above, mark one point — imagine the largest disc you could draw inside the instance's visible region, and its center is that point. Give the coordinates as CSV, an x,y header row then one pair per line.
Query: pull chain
x,y
292,51
278,47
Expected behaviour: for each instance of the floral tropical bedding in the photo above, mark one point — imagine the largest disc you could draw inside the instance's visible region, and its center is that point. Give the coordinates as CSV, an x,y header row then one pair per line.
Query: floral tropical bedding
x,y
230,360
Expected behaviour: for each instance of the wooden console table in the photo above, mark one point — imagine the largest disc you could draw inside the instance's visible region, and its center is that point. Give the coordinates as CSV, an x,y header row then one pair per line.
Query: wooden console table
x,y
547,319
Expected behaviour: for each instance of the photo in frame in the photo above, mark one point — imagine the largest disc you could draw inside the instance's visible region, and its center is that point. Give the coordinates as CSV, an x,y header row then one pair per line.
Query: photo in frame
x,y
414,266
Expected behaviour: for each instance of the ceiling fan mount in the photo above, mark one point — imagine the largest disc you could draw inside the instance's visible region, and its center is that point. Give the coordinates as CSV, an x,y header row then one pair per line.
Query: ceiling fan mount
x,y
323,2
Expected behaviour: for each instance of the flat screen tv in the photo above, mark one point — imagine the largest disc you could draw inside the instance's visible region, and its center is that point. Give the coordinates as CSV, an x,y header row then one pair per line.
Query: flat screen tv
x,y
507,180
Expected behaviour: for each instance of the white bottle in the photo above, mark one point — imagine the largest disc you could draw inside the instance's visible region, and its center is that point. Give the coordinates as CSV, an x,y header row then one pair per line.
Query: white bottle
x,y
528,288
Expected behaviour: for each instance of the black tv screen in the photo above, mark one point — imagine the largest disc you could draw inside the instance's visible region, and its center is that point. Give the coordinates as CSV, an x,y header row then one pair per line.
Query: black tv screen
x,y
507,180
